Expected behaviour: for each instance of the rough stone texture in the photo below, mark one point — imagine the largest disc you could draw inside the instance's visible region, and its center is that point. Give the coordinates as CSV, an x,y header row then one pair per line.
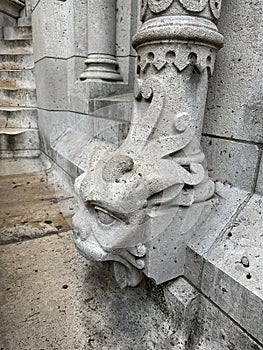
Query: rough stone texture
x,y
51,80
17,78
18,117
13,139
234,106
232,274
52,298
34,202
6,20
16,61
64,37
229,200
231,162
200,325
260,179
14,33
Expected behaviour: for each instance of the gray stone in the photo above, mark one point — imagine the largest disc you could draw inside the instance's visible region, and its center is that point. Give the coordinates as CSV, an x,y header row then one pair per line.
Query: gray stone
x,y
199,325
234,106
227,202
151,193
16,46
17,78
20,154
232,274
231,162
17,33
13,139
74,304
23,97
16,61
51,80
18,117
260,179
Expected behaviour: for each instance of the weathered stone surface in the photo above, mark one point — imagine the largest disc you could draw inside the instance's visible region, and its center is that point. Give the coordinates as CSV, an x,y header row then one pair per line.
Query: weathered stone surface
x,y
151,193
19,117
57,39
19,154
113,107
227,203
232,274
34,202
23,78
17,33
16,46
16,61
260,179
234,106
199,324
231,162
51,80
52,298
13,139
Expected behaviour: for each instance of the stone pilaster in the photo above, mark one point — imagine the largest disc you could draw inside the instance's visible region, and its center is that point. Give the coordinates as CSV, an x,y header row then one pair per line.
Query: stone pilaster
x,y
101,62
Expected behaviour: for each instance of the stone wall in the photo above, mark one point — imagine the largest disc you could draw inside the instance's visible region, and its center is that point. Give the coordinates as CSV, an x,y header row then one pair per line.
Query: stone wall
x,y
233,128
60,50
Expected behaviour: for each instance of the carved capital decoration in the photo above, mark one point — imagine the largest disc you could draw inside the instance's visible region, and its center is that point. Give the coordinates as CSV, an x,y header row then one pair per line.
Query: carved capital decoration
x,y
141,203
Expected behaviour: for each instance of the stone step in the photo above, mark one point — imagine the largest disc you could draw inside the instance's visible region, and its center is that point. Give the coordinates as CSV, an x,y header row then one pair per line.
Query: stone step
x,y
18,139
17,97
28,153
17,33
20,78
18,117
15,61
16,46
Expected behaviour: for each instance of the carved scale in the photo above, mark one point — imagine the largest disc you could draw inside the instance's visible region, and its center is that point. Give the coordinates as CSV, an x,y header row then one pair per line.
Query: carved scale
x,y
141,203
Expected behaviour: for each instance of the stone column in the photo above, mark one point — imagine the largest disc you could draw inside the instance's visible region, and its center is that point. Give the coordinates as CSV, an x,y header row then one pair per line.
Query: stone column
x,y
101,62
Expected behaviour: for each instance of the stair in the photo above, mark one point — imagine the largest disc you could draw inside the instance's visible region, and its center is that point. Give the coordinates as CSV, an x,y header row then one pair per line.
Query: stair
x,y
18,114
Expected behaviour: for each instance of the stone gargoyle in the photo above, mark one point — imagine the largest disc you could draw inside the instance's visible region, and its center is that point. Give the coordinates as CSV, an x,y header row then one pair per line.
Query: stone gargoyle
x,y
127,195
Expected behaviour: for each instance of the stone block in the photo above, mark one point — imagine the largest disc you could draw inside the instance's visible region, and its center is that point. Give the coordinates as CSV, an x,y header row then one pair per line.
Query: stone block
x,y
227,202
114,107
52,84
234,105
16,46
19,154
12,139
87,90
64,37
202,325
52,125
23,78
260,179
231,162
18,117
17,33
16,61
232,274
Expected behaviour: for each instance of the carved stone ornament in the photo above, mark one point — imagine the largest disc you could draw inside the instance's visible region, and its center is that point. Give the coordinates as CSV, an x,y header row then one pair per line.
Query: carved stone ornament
x,y
139,204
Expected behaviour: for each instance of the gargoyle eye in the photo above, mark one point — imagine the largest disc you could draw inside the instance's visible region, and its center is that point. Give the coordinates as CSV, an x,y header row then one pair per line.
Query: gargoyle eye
x,y
105,217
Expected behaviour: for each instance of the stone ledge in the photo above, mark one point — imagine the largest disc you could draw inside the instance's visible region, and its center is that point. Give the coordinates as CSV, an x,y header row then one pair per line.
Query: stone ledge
x,y
226,263
12,8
